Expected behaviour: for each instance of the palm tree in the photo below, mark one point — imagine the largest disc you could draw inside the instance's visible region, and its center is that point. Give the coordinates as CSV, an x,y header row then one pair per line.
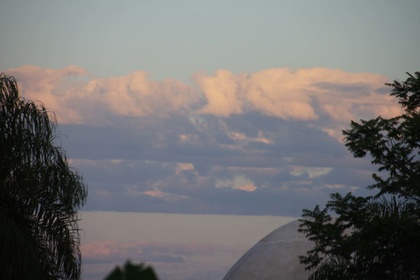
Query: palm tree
x,y
39,194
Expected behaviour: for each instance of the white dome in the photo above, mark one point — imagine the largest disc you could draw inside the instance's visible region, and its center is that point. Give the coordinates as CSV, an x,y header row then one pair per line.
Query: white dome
x,y
275,257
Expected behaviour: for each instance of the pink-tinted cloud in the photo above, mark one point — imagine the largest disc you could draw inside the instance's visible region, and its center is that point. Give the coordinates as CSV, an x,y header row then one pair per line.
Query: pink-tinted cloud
x,y
163,195
52,87
280,93
137,95
76,97
223,93
301,95
305,94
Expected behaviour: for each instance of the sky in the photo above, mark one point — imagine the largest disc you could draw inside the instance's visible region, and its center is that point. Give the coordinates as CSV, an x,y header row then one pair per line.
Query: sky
x,y
210,107
177,246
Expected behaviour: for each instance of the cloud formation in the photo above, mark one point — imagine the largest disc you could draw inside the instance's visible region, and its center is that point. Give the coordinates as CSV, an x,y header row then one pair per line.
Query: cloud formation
x,y
239,182
261,143
78,97
304,94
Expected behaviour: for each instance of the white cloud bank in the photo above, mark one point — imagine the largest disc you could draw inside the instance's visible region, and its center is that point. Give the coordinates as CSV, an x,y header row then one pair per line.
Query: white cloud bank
x,y
305,94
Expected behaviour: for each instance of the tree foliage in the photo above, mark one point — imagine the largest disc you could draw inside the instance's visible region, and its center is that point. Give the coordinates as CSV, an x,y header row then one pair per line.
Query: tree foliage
x,y
39,194
132,272
374,237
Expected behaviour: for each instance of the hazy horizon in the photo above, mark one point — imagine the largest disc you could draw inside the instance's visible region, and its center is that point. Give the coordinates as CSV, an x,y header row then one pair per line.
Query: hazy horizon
x,y
177,246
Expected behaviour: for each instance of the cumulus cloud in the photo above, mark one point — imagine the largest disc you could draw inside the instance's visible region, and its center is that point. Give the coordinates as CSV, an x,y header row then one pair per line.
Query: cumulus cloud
x,y
280,93
305,94
222,92
137,95
223,141
50,86
78,97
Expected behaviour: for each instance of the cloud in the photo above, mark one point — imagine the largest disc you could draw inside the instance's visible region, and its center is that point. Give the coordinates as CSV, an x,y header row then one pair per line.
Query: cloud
x,y
77,97
305,94
242,137
184,166
222,92
107,250
271,92
217,145
239,182
160,195
136,95
313,172
51,87
279,93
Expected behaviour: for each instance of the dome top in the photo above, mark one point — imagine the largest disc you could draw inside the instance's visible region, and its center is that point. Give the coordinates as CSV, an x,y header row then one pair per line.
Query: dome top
x,y
275,257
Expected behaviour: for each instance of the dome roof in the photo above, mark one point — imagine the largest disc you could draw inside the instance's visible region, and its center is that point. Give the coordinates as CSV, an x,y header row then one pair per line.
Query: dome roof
x,y
275,257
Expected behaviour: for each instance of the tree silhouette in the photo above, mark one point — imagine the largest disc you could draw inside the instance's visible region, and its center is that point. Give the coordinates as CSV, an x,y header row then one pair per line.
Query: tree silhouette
x,y
375,237
39,194
132,272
